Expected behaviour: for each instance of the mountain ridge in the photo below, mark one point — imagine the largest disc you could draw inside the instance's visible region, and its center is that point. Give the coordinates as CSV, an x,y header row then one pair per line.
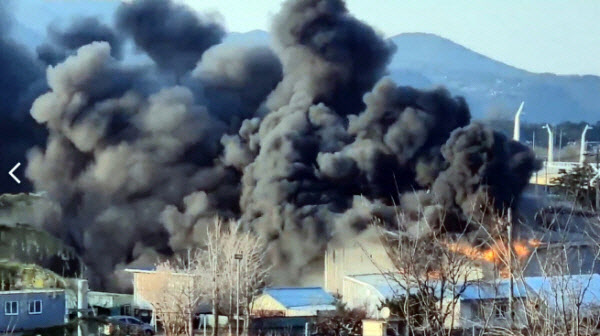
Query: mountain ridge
x,y
492,88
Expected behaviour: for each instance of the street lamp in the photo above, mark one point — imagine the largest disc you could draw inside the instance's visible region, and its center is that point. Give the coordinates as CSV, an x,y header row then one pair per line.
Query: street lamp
x,y
550,144
582,150
238,257
517,129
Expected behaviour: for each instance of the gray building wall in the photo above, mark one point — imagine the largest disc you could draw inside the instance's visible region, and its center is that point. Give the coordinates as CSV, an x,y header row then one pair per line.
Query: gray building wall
x,y
53,310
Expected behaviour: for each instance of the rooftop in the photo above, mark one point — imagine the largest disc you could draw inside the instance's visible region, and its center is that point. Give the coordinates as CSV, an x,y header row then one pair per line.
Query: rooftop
x,y
388,287
150,269
300,297
568,289
493,290
32,291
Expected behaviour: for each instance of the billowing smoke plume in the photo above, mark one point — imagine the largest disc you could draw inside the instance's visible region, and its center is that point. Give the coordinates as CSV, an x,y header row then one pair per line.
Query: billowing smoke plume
x,y
304,146
21,80
172,35
80,32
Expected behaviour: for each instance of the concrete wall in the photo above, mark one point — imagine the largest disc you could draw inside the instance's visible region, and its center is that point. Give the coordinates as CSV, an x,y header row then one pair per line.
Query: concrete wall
x,y
144,285
351,259
53,310
373,328
361,296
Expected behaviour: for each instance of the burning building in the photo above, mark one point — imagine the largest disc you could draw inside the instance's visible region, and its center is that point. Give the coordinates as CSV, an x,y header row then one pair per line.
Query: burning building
x,y
305,142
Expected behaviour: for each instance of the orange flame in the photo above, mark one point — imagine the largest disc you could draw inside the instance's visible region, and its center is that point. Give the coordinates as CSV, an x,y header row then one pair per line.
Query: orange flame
x,y
497,252
521,249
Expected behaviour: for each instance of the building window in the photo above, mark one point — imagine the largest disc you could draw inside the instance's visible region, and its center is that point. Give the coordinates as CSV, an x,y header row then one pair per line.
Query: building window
x,y
126,310
35,307
11,308
501,310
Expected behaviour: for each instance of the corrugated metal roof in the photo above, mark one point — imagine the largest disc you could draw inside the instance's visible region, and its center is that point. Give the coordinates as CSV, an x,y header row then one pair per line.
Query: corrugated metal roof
x,y
385,286
293,297
566,289
389,287
150,269
493,290
33,291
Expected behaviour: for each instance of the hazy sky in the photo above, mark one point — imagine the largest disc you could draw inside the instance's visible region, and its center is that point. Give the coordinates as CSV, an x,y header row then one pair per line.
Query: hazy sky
x,y
559,36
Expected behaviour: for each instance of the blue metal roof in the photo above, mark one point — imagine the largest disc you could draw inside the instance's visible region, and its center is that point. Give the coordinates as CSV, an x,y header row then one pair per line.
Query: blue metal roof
x,y
388,287
484,290
300,296
566,289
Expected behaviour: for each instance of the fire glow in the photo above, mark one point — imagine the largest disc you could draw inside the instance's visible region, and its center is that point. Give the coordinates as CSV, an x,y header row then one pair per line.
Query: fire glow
x,y
497,252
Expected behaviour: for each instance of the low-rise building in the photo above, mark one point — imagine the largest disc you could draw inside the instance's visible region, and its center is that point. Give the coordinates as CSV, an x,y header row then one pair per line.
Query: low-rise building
x,y
110,304
565,292
472,303
292,301
148,283
488,303
30,309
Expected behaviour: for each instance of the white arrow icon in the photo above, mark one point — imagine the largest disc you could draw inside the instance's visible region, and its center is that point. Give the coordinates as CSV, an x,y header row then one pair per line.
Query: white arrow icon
x,y
13,170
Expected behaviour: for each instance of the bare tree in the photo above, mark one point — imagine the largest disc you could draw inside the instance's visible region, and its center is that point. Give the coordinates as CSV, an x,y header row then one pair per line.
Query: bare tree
x,y
433,269
248,274
179,292
215,261
563,303
430,273
253,270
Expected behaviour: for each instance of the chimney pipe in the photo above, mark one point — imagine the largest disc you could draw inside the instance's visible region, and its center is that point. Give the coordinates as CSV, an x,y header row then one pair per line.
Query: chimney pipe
x,y
550,144
517,130
82,297
582,150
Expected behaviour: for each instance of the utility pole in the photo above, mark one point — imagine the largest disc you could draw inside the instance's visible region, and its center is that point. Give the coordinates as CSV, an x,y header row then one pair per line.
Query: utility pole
x,y
238,258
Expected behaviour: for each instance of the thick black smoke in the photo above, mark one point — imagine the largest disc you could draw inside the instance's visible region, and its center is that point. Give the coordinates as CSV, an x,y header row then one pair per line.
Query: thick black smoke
x,y
21,80
80,32
236,80
125,145
305,146
125,156
332,55
173,36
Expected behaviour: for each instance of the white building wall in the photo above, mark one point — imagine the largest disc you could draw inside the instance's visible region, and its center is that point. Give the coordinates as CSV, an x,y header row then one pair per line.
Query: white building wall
x,y
361,295
363,255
